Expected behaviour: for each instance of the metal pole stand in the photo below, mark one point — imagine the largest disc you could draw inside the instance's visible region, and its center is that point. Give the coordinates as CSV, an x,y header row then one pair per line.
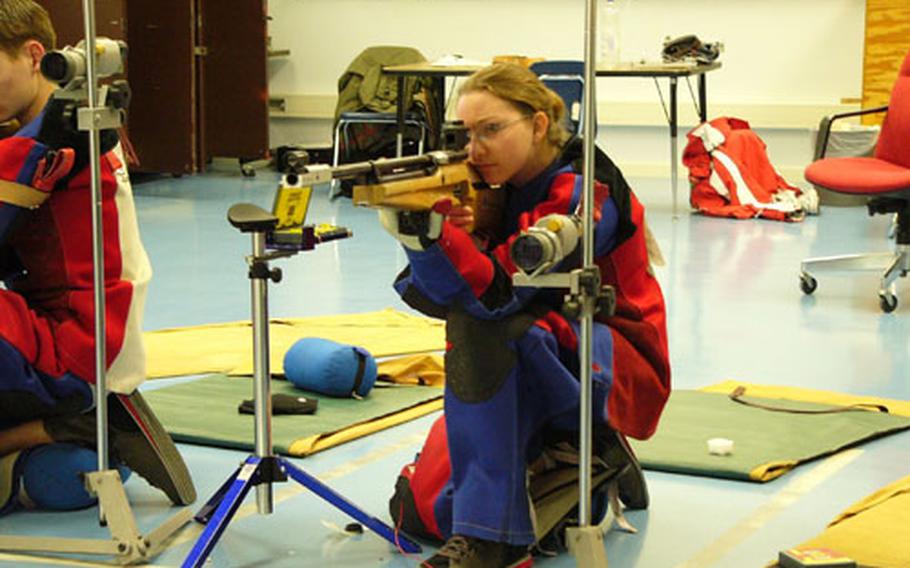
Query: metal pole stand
x,y
263,468
586,541
587,296
126,542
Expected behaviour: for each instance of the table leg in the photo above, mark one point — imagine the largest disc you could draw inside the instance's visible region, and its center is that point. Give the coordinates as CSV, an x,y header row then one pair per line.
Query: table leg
x,y
673,142
439,84
399,118
703,97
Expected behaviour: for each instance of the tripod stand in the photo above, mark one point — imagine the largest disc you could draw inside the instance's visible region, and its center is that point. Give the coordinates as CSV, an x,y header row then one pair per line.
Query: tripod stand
x,y
263,468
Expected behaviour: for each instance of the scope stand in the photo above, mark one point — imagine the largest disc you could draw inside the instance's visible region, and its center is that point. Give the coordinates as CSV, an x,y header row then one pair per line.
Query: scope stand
x,y
264,468
586,297
126,542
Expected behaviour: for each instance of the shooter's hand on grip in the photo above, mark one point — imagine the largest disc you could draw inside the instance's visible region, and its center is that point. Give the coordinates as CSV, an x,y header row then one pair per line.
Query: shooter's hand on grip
x,y
461,216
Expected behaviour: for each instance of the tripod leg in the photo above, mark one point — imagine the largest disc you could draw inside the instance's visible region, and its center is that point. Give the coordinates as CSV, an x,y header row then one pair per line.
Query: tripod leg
x,y
336,499
206,511
243,480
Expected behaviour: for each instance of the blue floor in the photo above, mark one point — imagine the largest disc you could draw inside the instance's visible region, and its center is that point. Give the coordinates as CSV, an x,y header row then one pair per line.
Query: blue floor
x,y
735,311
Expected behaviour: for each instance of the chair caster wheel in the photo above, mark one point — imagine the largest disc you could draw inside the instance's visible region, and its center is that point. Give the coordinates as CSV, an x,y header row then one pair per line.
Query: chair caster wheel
x,y
888,302
247,171
807,283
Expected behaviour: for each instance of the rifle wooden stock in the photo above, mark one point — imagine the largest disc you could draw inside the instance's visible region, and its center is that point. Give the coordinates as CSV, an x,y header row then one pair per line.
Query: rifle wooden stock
x,y
419,193
456,181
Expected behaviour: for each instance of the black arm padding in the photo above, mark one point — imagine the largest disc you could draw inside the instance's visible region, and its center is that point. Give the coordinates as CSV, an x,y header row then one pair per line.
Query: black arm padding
x,y
251,218
824,128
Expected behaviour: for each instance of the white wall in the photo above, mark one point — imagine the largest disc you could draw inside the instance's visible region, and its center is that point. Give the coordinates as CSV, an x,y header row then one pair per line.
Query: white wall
x,y
783,58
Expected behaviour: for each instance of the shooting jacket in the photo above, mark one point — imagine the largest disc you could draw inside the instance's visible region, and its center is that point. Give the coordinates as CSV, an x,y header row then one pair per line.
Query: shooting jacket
x,y
47,310
453,274
731,175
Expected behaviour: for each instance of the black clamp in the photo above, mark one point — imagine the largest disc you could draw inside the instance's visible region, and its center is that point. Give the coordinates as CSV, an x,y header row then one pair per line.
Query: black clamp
x,y
589,286
259,270
270,471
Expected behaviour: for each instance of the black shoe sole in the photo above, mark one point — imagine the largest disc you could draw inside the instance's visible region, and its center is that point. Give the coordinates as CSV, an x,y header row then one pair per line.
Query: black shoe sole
x,y
633,490
165,468
137,439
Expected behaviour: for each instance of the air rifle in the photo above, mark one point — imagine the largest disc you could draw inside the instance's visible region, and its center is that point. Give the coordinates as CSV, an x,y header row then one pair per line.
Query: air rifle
x,y
409,184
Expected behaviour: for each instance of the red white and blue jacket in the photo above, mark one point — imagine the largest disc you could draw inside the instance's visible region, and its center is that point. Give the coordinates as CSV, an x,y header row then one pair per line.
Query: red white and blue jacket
x,y
731,175
47,311
454,272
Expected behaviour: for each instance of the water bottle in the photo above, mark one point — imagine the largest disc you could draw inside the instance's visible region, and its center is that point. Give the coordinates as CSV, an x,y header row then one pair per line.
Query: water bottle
x,y
609,34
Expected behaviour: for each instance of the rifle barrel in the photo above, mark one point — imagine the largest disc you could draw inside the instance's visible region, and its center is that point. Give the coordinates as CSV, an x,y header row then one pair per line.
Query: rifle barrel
x,y
398,168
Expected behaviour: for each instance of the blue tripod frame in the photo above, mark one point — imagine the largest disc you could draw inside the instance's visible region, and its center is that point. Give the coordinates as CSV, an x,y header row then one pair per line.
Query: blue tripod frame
x,y
263,468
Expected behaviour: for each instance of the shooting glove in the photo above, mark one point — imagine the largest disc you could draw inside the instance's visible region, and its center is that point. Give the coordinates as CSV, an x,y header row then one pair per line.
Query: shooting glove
x,y
416,230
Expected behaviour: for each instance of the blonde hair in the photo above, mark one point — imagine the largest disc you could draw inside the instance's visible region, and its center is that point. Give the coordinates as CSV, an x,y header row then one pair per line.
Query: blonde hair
x,y
22,20
521,88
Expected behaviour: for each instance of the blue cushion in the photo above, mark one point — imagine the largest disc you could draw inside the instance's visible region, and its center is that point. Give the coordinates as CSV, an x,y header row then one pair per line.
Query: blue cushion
x,y
331,368
52,476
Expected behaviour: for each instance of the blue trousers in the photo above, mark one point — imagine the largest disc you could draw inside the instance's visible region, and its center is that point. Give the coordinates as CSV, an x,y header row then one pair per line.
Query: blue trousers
x,y
492,441
50,473
26,394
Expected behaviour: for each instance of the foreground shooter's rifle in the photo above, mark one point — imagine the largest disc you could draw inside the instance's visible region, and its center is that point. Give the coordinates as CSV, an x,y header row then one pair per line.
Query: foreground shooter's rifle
x,y
415,183
412,184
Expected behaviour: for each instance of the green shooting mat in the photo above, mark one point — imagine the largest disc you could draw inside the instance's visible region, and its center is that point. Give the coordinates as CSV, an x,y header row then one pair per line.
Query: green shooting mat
x,y
767,444
204,412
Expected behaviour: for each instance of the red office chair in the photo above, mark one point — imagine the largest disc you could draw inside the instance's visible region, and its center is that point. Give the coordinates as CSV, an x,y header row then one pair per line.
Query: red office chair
x,y
884,178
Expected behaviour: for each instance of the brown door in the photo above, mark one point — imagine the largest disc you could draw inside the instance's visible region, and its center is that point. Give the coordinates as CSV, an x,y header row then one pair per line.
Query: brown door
x,y
197,71
233,83
162,119
110,21
66,16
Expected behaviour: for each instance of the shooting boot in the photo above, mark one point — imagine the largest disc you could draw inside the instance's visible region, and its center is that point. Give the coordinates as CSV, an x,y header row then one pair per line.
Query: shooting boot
x,y
137,439
615,450
469,552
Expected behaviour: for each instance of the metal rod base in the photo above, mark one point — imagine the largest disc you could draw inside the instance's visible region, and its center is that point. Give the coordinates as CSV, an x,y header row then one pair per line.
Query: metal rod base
x,y
127,544
849,262
586,544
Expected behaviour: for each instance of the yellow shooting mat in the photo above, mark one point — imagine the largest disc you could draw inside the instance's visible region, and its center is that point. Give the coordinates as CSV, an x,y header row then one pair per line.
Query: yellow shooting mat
x,y
228,347
875,531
